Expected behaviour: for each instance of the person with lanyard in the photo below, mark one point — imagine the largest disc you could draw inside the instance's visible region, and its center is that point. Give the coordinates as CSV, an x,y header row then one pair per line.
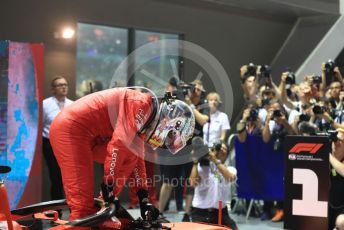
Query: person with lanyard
x,y
212,186
194,98
250,124
214,177
51,107
215,130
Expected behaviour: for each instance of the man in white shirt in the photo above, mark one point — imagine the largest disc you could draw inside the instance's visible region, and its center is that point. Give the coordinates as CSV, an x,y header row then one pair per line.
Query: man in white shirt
x,y
212,184
51,107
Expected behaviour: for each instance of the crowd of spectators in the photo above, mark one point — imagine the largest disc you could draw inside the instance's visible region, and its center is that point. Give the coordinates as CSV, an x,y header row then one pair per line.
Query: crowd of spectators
x,y
313,105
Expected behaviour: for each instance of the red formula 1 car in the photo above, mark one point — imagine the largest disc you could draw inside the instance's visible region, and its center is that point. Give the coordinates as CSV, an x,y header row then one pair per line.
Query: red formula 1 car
x,y
32,217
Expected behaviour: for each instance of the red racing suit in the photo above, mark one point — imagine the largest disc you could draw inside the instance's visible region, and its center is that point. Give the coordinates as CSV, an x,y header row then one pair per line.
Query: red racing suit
x,y
100,127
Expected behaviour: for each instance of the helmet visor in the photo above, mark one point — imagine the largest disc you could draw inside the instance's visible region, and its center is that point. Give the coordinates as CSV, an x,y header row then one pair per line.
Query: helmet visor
x,y
169,135
174,141
174,126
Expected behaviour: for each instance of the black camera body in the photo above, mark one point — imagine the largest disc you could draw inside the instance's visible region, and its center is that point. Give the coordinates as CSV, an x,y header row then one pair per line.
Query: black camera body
x,y
265,71
217,146
186,88
276,113
329,66
316,79
318,110
290,79
304,117
204,161
253,115
251,70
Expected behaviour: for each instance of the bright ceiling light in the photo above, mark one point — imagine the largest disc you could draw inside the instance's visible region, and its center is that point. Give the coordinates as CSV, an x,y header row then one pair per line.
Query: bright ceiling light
x,y
68,33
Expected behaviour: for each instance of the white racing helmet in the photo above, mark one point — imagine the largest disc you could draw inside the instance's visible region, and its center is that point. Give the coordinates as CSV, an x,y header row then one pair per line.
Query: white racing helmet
x,y
172,127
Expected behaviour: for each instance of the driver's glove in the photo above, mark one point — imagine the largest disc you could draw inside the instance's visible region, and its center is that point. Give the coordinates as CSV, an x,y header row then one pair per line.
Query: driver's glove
x,y
108,195
148,211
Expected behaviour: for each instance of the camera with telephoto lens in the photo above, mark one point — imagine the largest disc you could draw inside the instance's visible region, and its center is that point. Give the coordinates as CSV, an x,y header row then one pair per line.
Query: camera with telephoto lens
x,y
316,79
217,145
276,114
204,161
329,66
189,88
251,70
290,79
253,115
265,71
304,117
186,88
318,110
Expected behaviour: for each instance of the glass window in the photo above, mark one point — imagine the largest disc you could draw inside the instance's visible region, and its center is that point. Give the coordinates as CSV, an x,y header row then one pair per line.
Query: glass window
x,y
156,72
100,49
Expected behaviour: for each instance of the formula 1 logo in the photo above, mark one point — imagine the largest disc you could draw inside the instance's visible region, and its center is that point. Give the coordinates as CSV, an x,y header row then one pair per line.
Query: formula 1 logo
x,y
312,148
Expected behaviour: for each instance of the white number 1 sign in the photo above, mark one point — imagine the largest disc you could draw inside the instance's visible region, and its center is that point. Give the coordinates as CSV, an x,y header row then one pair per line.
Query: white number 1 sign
x,y
309,205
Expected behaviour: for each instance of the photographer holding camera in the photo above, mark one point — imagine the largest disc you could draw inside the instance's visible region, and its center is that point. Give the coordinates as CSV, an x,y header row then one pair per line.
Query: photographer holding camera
x,y
330,73
250,124
276,127
249,81
336,123
193,95
215,130
334,95
276,124
303,92
212,184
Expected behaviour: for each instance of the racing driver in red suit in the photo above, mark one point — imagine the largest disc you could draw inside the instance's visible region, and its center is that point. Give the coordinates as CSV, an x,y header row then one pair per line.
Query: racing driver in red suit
x,y
111,127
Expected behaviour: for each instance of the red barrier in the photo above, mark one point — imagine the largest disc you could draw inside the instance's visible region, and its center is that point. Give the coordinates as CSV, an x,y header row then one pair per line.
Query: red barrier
x,y
219,220
5,211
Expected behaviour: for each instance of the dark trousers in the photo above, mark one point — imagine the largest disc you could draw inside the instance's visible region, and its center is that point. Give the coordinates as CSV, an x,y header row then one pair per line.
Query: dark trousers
x,y
211,216
56,189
